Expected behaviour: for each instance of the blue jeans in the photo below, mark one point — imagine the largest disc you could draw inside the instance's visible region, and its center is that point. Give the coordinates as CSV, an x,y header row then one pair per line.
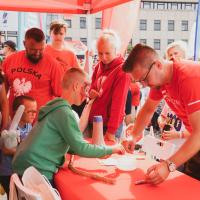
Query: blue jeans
x,y
118,132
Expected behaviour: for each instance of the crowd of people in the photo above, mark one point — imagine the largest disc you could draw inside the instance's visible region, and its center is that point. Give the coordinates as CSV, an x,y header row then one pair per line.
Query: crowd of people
x,y
48,80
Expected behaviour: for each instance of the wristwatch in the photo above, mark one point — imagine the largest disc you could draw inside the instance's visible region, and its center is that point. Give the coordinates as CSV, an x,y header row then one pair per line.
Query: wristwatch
x,y
171,166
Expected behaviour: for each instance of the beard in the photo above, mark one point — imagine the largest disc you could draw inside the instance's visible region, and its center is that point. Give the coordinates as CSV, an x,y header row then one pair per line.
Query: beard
x,y
33,59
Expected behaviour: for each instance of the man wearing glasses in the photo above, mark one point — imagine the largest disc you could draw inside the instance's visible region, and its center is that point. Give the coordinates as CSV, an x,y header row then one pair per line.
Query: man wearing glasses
x,y
177,83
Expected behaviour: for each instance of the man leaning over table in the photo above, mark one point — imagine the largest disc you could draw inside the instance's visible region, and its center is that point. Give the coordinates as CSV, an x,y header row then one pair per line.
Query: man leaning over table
x,y
177,83
57,132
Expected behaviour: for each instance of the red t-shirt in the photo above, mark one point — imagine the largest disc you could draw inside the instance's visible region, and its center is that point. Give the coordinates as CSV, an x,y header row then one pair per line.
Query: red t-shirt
x,y
66,58
42,81
135,91
182,94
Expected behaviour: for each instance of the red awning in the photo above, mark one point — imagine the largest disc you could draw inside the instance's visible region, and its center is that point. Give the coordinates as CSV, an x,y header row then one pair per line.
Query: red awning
x,y
59,6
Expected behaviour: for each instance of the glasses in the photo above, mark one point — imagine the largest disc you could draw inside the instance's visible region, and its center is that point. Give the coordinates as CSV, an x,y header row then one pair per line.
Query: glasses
x,y
146,76
31,112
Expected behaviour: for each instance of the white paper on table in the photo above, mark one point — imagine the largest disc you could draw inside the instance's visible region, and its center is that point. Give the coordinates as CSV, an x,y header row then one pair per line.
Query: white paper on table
x,y
108,161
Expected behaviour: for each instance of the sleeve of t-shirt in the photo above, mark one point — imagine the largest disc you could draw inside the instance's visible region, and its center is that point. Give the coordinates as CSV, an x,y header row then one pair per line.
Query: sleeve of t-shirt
x,y
69,129
155,94
56,79
190,94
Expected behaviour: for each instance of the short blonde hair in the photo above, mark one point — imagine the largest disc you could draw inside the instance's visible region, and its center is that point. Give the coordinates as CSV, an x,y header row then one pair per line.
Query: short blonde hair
x,y
180,44
112,37
71,75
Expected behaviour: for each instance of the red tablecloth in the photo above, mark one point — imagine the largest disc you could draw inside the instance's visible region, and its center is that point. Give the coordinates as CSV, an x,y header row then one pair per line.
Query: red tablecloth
x,y
75,187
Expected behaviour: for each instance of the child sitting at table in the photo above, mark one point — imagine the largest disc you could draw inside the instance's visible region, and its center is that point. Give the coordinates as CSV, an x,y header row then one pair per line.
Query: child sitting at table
x,y
24,127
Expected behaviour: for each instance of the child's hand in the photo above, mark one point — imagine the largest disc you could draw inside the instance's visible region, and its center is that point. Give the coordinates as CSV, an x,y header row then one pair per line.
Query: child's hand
x,y
169,135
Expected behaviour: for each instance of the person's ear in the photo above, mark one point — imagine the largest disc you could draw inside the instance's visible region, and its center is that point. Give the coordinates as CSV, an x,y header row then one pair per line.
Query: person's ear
x,y
75,85
24,42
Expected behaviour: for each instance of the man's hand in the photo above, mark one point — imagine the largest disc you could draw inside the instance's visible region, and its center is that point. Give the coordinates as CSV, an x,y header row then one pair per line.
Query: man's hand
x,y
156,174
110,137
129,145
93,94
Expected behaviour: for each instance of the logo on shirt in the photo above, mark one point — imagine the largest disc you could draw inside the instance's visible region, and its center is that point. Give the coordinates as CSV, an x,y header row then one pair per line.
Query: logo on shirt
x,y
21,87
170,99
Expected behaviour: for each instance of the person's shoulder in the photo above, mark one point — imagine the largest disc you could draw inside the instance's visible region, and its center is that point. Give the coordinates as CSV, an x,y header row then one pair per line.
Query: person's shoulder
x,y
69,52
187,69
15,55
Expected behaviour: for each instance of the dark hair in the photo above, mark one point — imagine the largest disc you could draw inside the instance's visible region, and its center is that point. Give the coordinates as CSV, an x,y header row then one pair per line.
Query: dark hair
x,y
56,26
140,54
36,34
20,100
10,44
2,78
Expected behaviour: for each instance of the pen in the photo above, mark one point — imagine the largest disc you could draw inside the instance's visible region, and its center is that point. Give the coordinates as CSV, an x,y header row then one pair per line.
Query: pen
x,y
140,182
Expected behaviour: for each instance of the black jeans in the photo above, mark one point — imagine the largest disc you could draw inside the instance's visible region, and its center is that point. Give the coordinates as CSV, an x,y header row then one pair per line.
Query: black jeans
x,y
5,182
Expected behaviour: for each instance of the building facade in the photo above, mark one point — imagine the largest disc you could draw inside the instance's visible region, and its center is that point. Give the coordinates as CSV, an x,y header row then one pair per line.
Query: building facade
x,y
160,22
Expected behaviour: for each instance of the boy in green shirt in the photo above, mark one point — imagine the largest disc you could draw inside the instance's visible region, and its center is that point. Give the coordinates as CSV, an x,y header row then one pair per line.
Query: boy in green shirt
x,y
57,132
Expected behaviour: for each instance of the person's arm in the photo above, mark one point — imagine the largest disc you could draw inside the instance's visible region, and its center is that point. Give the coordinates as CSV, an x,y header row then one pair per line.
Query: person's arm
x,y
68,128
158,173
143,118
117,106
4,108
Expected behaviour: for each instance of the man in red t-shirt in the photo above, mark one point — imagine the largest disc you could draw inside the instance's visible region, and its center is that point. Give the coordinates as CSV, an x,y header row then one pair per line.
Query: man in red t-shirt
x,y
177,83
32,72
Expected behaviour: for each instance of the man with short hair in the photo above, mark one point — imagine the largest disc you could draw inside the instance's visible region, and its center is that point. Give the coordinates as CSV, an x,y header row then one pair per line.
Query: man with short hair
x,y
57,131
176,82
9,47
32,72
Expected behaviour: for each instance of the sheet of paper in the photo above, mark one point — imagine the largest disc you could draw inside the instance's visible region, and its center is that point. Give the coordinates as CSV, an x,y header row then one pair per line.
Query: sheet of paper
x,y
108,161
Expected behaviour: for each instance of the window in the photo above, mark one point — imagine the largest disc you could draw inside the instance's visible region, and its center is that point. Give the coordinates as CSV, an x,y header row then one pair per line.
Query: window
x,y
98,23
170,25
174,6
184,25
143,24
157,25
68,38
84,41
143,41
185,40
188,6
82,22
161,6
69,23
169,41
157,44
147,5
